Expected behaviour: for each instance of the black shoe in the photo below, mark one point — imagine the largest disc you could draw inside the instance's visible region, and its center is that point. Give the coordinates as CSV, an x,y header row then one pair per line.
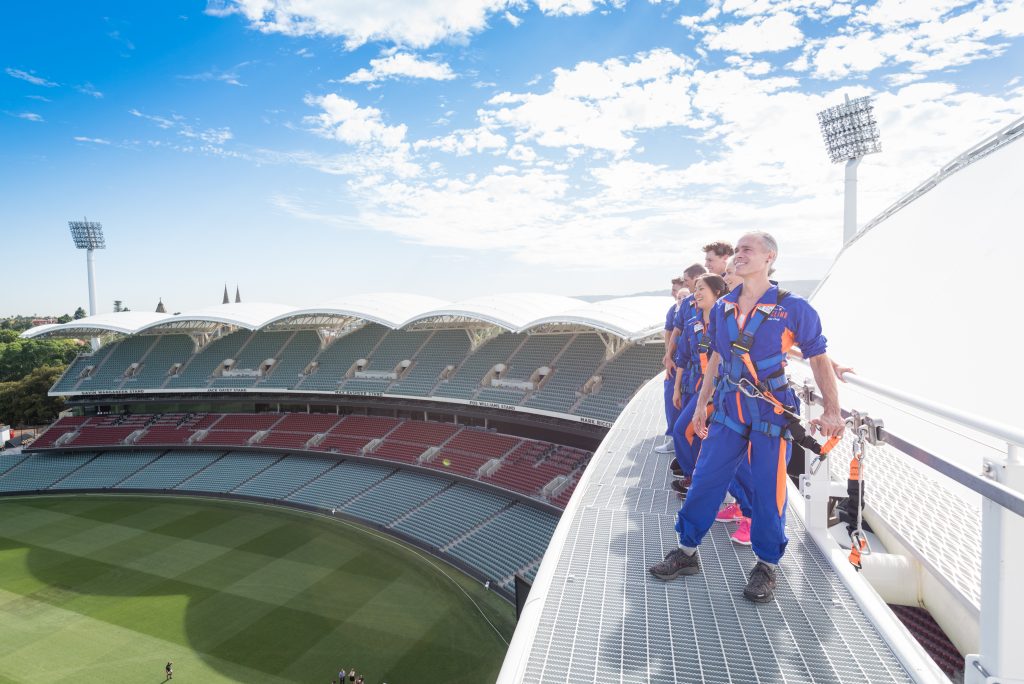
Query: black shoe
x,y
674,467
761,585
682,485
676,563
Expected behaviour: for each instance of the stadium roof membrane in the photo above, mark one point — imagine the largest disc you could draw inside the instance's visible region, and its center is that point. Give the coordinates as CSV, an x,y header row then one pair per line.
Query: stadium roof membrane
x,y
630,318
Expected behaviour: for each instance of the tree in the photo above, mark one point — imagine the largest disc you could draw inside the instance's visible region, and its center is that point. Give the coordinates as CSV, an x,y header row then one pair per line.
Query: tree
x,y
79,314
25,402
20,357
64,319
117,305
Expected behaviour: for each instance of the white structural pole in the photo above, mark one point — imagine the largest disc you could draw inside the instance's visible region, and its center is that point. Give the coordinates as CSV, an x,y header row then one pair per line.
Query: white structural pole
x,y
850,200
90,267
1002,591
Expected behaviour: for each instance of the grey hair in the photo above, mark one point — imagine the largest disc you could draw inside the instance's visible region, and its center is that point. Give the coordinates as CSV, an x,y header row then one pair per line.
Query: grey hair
x,y
770,244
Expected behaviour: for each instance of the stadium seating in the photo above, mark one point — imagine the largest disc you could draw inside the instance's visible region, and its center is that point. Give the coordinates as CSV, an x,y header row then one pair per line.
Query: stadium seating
x,y
168,350
525,466
489,532
394,496
572,358
197,371
106,472
71,378
340,484
621,378
292,360
574,367
42,470
229,472
506,542
465,382
451,514
335,360
285,476
170,470
444,348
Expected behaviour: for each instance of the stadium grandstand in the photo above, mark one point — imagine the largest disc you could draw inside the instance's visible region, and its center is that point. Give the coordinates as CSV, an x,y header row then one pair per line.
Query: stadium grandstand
x,y
461,427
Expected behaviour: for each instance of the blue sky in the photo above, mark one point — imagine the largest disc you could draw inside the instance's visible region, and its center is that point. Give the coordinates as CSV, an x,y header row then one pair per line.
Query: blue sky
x,y
310,150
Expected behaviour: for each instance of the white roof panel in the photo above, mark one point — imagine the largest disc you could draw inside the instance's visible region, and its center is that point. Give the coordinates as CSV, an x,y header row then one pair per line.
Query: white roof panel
x,y
124,322
391,309
244,315
628,317
513,311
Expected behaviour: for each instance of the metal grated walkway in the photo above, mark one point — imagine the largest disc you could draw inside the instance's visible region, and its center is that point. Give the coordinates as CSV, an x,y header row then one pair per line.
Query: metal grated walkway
x,y
605,619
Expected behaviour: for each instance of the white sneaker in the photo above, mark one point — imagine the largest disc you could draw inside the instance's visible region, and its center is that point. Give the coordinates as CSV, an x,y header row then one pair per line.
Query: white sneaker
x,y
666,448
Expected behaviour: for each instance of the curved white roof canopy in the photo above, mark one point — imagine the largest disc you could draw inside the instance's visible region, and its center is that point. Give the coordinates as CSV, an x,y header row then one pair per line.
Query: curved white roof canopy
x,y
390,309
122,322
513,311
244,315
631,318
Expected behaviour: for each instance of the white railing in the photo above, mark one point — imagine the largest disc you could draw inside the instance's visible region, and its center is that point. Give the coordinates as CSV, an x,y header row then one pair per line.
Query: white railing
x,y
1000,484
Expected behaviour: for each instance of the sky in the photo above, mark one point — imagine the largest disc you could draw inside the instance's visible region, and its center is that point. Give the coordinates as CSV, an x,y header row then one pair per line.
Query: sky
x,y
305,150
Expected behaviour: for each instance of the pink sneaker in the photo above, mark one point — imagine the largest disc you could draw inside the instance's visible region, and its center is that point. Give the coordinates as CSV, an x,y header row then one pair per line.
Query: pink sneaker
x,y
742,533
730,513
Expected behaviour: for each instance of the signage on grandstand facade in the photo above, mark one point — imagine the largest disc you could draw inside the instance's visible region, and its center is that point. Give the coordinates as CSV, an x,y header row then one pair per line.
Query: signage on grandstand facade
x,y
262,390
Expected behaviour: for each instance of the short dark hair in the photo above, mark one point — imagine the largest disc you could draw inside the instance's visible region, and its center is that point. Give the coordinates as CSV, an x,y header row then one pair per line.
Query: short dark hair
x,y
716,283
695,270
719,248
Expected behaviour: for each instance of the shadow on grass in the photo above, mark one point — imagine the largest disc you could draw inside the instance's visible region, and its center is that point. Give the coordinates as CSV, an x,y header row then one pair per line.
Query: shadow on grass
x,y
286,594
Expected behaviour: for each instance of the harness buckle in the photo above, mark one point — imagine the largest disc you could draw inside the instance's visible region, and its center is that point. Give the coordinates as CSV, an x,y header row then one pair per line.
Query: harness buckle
x,y
743,342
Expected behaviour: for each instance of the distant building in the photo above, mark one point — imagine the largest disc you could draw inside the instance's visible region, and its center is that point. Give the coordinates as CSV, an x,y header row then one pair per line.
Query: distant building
x,y
43,321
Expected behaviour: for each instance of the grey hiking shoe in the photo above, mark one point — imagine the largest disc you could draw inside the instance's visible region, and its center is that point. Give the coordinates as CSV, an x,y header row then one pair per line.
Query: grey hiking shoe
x,y
761,585
676,563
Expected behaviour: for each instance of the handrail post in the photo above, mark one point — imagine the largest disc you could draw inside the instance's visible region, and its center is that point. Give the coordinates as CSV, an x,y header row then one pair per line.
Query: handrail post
x,y
1002,582
814,487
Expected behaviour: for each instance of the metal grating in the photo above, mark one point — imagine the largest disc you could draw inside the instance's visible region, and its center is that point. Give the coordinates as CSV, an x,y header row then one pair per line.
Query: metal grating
x,y
606,620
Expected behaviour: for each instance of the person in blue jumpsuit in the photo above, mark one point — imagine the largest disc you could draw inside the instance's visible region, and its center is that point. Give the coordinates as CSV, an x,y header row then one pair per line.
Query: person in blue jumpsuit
x,y
692,359
683,310
671,413
751,333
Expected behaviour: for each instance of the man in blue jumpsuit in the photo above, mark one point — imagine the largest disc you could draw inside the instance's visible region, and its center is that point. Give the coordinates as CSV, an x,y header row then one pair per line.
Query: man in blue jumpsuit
x,y
751,333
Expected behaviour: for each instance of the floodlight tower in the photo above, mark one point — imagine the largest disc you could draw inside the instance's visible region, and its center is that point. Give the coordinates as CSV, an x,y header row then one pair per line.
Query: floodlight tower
x,y
850,132
88,235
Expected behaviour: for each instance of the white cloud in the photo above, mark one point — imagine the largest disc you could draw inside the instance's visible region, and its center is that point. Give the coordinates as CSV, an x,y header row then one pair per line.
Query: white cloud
x,y
95,141
770,33
229,76
90,90
343,119
465,142
417,24
28,116
399,65
212,136
513,19
600,106
30,77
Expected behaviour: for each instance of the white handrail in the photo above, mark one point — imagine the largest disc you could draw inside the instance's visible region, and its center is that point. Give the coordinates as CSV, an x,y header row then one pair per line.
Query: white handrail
x,y
1006,433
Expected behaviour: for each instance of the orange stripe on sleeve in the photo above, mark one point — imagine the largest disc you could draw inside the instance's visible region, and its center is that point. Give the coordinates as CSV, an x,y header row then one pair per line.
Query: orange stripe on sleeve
x,y
788,340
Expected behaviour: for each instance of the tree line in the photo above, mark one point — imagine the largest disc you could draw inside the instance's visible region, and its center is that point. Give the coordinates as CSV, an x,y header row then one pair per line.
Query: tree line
x,y
28,368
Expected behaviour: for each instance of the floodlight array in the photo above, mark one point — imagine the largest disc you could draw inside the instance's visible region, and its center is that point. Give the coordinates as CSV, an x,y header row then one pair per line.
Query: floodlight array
x,y
850,130
87,234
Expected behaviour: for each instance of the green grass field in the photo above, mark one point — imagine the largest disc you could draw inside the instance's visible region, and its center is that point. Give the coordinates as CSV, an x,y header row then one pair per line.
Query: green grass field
x,y
107,589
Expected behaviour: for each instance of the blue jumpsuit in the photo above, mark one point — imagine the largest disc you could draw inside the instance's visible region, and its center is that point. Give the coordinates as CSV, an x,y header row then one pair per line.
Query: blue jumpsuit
x,y
743,429
672,321
695,346
671,413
